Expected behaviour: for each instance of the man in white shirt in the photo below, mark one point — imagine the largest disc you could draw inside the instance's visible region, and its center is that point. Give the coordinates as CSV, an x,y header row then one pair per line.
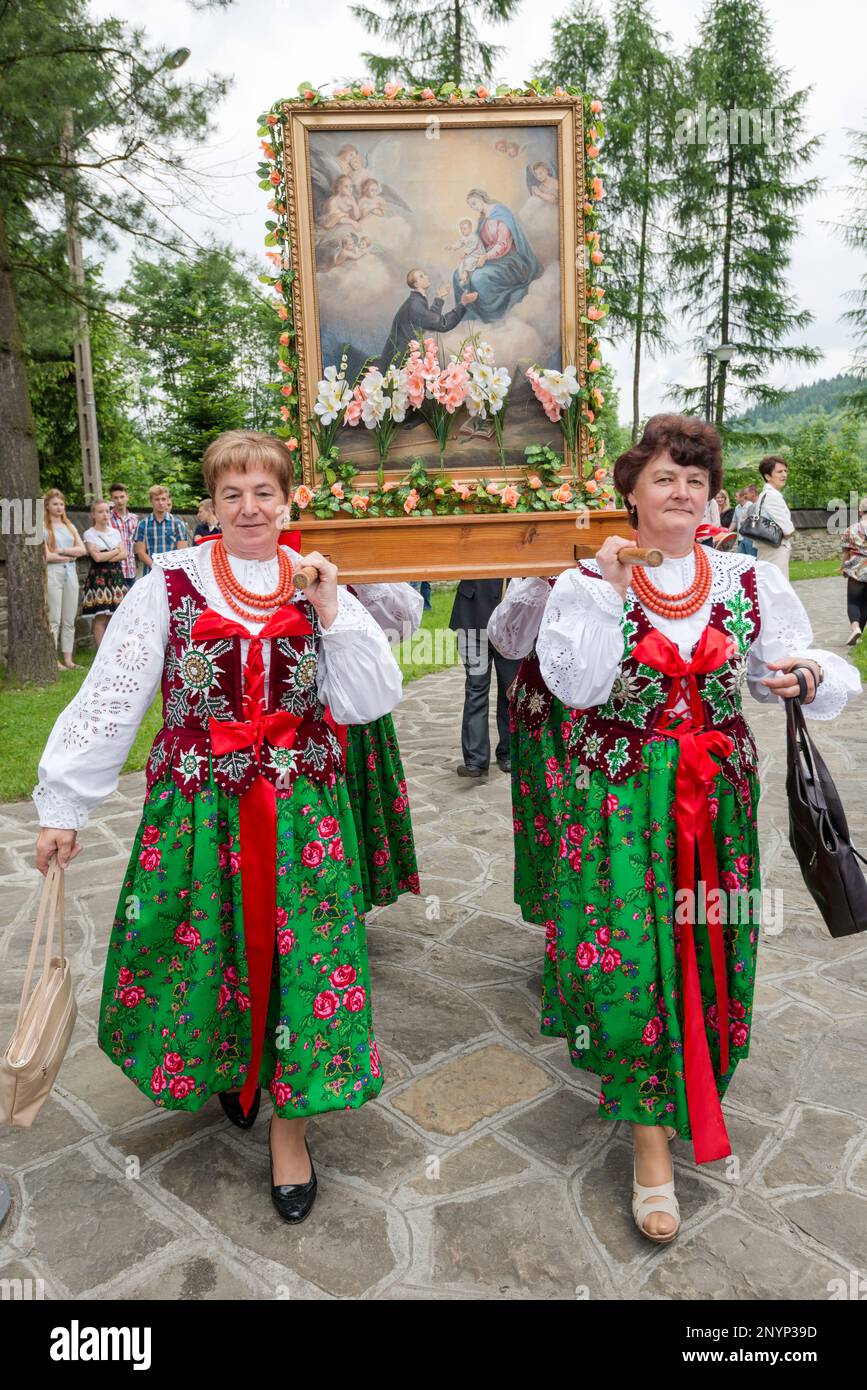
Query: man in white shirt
x,y
772,504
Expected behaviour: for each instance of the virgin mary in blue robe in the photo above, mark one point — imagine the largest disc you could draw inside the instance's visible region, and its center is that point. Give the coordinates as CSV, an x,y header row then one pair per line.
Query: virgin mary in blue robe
x,y
502,283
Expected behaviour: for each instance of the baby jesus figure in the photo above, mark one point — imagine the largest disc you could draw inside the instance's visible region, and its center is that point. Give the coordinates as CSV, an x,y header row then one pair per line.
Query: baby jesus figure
x,y
472,250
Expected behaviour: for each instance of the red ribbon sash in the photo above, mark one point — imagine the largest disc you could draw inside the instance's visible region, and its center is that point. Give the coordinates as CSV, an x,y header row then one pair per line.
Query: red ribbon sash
x,y
696,771
257,808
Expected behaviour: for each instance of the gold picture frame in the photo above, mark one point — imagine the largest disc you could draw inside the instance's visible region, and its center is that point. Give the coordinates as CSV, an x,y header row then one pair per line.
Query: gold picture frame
x,y
557,123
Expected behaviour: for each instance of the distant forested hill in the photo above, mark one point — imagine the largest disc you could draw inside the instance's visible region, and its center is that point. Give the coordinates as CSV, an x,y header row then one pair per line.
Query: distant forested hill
x,y
824,397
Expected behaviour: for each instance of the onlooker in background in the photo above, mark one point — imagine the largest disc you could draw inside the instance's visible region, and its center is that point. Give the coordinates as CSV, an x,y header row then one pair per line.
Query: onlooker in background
x,y
122,519
423,587
726,510
160,531
206,519
747,496
771,503
711,512
854,567
475,601
105,586
63,546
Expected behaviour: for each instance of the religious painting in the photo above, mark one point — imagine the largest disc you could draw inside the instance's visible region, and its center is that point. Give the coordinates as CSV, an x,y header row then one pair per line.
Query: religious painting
x,y
461,227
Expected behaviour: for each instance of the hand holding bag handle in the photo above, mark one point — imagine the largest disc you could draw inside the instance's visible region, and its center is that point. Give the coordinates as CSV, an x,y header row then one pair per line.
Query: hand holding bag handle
x,y
819,832
46,1017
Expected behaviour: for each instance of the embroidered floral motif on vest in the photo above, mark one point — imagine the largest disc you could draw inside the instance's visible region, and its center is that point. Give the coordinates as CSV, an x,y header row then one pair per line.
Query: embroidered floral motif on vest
x,y
611,737
202,680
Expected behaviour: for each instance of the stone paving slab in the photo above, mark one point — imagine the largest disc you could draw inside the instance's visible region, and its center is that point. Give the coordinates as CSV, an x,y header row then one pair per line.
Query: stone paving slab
x,y
483,1170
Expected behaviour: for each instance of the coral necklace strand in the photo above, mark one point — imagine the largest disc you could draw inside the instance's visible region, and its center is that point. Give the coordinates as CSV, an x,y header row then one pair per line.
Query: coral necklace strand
x,y
681,605
241,600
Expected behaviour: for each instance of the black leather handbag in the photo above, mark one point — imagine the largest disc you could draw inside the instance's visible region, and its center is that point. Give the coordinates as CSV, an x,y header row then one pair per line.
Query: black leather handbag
x,y
819,834
757,527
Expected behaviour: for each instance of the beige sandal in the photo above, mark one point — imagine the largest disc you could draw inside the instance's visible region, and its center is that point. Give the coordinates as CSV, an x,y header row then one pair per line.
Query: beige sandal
x,y
642,1207
670,1133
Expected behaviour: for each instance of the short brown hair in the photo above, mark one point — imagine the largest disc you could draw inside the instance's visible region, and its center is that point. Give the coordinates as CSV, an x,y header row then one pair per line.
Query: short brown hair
x,y
244,450
769,463
691,442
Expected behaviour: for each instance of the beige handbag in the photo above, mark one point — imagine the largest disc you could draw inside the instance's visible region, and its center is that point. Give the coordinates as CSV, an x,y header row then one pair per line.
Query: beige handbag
x,y
41,1035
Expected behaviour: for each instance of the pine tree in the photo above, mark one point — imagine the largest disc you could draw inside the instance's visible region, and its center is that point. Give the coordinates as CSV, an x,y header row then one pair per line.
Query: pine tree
x,y
854,233
436,43
740,140
639,155
579,51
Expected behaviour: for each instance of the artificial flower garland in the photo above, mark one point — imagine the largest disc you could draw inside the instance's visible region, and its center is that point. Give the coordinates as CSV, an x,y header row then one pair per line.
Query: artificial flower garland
x,y
420,491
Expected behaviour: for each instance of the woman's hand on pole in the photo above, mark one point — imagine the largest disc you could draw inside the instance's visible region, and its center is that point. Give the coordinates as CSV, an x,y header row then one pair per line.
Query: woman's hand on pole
x,y
322,593
618,575
51,842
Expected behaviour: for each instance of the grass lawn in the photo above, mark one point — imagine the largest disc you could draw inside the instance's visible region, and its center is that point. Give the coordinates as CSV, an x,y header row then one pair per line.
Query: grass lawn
x,y
813,569
28,712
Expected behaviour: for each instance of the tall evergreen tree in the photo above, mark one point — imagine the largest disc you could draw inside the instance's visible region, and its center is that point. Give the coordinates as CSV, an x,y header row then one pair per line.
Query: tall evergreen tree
x,y
854,232
741,143
639,156
130,112
579,50
435,43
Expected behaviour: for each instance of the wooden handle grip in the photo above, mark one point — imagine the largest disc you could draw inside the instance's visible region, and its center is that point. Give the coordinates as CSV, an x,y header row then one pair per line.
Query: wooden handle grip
x,y
307,574
627,555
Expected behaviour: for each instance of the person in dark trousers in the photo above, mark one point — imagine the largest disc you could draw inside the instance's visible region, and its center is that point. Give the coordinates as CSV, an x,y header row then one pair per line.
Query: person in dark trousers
x,y
415,317
475,601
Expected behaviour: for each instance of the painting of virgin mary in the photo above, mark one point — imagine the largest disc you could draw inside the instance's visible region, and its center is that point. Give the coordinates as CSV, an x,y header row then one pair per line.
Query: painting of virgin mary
x,y
510,264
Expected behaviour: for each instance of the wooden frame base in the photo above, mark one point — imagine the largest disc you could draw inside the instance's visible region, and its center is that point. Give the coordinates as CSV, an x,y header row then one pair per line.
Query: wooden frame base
x,y
395,549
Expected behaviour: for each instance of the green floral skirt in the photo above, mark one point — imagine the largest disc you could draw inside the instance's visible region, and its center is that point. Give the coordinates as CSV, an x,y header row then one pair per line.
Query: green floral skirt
x,y
542,795
380,806
175,1012
612,981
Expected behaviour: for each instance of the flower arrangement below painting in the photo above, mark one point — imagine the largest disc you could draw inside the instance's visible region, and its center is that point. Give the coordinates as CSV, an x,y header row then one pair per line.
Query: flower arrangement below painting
x,y
468,386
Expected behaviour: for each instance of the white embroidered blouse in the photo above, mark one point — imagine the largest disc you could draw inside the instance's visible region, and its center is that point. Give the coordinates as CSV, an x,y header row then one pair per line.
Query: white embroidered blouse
x,y
576,628
357,677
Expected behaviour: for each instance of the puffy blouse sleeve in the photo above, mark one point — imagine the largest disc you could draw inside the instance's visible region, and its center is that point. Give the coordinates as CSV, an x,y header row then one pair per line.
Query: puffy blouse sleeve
x,y
91,738
357,676
786,632
397,608
514,624
580,643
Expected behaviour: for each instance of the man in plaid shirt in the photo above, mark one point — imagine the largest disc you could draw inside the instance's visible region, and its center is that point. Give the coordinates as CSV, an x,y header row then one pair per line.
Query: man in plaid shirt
x,y
160,531
122,519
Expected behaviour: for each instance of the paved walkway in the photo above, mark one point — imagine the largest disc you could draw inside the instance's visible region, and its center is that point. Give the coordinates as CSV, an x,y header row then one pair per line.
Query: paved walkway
x,y
482,1171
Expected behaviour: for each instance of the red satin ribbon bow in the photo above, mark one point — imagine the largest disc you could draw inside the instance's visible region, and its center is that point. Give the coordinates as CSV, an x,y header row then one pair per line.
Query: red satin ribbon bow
x,y
696,771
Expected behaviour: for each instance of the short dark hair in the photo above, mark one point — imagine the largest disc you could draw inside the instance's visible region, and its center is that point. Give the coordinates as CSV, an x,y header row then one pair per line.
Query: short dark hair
x,y
412,275
692,442
118,487
768,464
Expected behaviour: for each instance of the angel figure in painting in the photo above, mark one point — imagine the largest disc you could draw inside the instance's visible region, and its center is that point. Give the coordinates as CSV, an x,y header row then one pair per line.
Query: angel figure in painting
x,y
542,182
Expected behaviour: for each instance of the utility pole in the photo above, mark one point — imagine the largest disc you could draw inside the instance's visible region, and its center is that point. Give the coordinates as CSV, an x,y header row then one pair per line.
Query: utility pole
x,y
87,428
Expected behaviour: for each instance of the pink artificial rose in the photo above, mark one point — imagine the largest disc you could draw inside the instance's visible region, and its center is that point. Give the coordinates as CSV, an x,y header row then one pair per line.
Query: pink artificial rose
x,y
326,1004
353,999
337,491
149,859
173,1063
302,497
509,496
343,976
428,94
359,503
158,1081
312,854
181,1086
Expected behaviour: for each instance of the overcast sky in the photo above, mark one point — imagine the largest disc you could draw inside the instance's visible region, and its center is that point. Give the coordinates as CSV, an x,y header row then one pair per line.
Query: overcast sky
x,y
269,48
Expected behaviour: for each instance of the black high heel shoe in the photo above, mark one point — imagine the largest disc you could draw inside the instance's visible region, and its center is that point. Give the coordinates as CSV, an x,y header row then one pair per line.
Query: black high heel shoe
x,y
293,1201
231,1103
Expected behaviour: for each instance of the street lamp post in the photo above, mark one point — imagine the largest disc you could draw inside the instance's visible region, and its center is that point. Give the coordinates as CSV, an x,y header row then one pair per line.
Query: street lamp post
x,y
723,353
88,432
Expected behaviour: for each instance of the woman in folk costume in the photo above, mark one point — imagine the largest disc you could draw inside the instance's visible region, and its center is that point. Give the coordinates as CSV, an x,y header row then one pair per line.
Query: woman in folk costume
x,y
541,729
238,954
374,772
653,992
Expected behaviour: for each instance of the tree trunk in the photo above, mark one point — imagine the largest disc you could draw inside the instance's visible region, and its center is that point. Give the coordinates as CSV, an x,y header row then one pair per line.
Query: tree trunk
x,y
719,411
31,654
642,274
457,54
